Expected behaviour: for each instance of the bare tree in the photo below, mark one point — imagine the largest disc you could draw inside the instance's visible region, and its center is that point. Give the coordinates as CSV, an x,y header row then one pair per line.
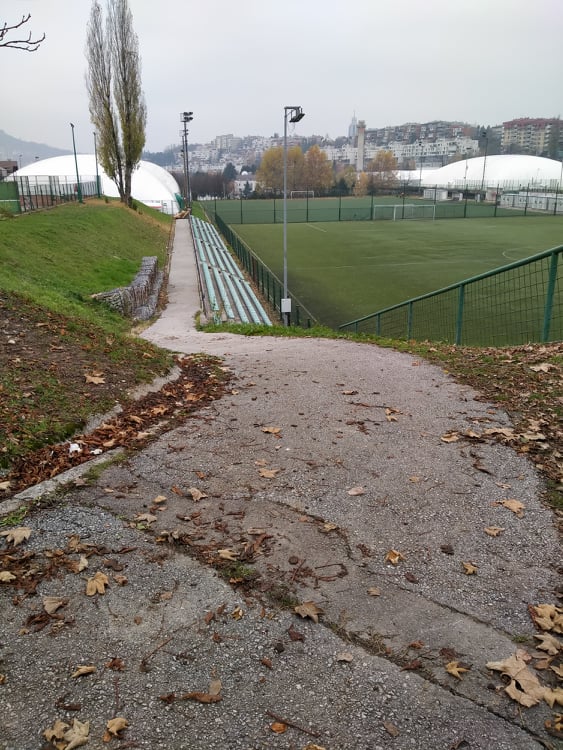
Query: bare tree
x,y
27,45
113,80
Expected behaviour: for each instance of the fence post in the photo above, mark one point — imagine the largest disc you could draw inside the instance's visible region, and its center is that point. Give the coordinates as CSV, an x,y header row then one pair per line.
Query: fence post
x,y
550,291
241,221
527,196
556,197
496,202
409,321
459,319
340,207
465,205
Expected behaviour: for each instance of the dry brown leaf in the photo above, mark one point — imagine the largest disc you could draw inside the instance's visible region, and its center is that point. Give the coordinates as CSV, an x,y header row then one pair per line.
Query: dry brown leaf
x,y
548,617
548,643
469,568
327,526
56,732
114,726
524,687
553,696
215,687
77,735
278,727
16,536
52,603
159,499
494,530
145,518
456,669
354,491
84,669
344,656
95,379
202,697
97,584
391,729
390,415
228,554
5,486
374,591
558,670
556,725
272,430
450,437
312,746
309,609
514,505
196,494
6,577
394,557
237,613
269,473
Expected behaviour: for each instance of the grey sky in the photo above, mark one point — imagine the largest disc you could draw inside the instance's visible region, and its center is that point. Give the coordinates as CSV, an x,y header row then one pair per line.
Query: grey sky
x,y
236,64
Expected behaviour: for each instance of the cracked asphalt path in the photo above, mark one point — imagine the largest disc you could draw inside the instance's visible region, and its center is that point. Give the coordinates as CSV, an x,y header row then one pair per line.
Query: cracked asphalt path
x,y
322,458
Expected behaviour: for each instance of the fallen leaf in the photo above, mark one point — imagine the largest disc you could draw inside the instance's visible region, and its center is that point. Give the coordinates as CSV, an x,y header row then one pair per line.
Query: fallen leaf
x,y
450,437
202,697
97,584
17,535
196,494
118,665
160,499
514,505
543,367
228,554
524,686
309,609
344,656
456,669
237,613
312,746
558,670
327,526
493,530
394,557
56,732
272,430
77,735
215,687
470,569
295,635
6,577
553,696
548,643
145,518
374,591
548,617
94,379
52,603
269,473
356,491
84,669
390,415
349,393
278,727
4,486
391,729
447,549
114,726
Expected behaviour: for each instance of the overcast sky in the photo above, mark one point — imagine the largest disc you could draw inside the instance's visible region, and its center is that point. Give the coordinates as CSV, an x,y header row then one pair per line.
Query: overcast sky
x,y
237,64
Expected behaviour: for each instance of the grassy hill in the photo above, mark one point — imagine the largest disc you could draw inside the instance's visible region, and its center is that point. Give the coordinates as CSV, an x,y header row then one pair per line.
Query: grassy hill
x,y
53,336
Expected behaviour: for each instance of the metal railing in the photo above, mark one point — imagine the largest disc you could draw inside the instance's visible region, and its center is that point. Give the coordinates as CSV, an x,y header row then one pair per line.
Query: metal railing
x,y
265,280
27,194
515,304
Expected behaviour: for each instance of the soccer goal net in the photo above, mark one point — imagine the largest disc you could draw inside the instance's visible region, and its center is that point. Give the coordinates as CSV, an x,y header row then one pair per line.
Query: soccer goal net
x,y
414,211
302,194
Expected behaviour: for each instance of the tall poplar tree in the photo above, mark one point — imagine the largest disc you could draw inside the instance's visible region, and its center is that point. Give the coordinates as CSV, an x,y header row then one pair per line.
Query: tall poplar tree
x,y
113,80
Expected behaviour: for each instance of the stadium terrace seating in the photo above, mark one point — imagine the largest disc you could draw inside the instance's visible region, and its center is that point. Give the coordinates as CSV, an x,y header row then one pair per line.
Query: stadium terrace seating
x,y
227,294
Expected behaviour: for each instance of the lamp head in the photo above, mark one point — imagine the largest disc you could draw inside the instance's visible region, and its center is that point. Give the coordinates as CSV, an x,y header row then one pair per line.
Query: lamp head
x,y
297,115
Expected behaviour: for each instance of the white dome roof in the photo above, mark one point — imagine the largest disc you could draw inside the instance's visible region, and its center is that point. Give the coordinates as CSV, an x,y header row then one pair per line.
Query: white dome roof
x,y
150,184
511,170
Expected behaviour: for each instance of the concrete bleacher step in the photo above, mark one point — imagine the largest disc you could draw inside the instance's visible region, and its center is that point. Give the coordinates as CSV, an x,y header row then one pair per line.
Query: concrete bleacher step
x,y
228,296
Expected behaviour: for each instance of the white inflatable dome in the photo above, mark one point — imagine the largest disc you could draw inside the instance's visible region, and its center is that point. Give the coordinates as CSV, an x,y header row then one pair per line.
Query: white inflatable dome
x,y
510,170
150,184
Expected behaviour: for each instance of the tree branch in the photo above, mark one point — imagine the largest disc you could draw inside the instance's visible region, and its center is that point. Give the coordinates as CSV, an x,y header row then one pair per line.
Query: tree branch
x,y
27,45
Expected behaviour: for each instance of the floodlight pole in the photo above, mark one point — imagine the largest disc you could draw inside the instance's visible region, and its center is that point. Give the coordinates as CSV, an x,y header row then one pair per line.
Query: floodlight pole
x,y
96,160
78,188
186,117
420,172
294,114
484,134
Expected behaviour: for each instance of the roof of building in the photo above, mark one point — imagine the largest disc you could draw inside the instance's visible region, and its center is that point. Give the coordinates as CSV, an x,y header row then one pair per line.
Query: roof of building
x,y
511,170
150,184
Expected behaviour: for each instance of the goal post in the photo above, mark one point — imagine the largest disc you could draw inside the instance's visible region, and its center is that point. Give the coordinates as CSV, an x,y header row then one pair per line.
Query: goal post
x,y
302,194
413,211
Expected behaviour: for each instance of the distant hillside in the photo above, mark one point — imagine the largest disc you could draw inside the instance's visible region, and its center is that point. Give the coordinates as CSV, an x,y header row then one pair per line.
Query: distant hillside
x,y
24,152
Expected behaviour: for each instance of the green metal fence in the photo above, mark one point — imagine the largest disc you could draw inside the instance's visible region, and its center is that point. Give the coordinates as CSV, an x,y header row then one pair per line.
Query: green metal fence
x,y
404,203
31,194
516,304
265,280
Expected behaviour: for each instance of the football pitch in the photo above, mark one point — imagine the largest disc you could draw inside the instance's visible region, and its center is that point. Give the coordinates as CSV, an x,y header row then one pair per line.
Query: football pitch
x,y
341,271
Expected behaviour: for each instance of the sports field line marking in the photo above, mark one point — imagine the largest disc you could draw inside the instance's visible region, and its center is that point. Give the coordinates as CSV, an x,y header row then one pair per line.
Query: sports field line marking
x,y
512,250
317,228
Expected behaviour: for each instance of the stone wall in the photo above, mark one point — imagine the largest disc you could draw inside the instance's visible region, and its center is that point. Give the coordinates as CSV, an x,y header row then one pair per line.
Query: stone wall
x,y
139,299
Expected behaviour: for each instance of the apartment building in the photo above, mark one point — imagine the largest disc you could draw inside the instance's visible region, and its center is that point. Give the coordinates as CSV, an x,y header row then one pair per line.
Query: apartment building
x,y
537,136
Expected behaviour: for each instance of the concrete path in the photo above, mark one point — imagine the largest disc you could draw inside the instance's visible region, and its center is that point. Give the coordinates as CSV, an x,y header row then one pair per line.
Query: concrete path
x,y
324,479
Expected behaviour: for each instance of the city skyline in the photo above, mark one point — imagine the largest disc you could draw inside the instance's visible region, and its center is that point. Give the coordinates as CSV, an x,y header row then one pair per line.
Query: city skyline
x,y
237,66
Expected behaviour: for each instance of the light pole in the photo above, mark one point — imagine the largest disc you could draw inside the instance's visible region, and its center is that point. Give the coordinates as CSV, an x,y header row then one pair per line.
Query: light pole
x,y
96,160
78,188
486,137
186,117
420,173
293,114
